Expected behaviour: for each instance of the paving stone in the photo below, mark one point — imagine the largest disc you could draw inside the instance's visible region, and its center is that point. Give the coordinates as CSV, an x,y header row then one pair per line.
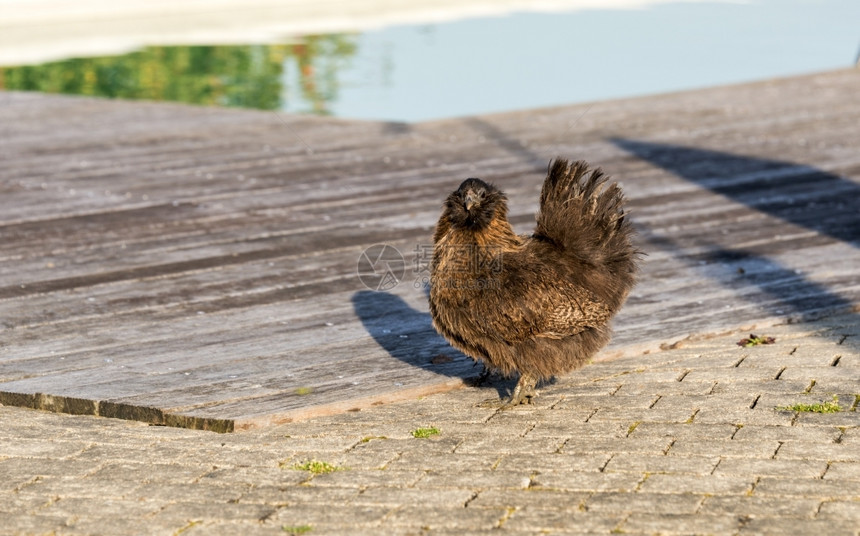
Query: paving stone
x,y
343,515
294,464
840,510
745,416
214,455
507,424
285,495
353,478
70,507
328,530
663,414
169,492
835,384
781,401
579,431
233,528
733,374
254,476
394,497
552,462
672,483
317,428
449,462
645,445
718,400
502,445
849,360
589,403
656,523
838,374
96,453
411,531
533,498
680,503
432,518
27,469
539,521
667,388
754,506
842,419
799,527
651,376
808,487
852,436
603,388
784,468
587,481
122,526
63,486
476,479
12,502
144,472
843,471
779,386
387,446
803,355
819,434
15,481
34,524
320,444
572,414
190,511
514,416
638,463
706,360
42,448
724,448
691,430
814,450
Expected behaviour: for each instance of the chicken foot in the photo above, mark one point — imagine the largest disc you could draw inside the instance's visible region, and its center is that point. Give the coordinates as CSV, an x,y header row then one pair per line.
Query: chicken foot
x,y
524,393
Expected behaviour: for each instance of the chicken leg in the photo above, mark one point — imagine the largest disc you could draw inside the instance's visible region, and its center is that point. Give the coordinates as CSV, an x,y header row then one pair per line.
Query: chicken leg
x,y
524,393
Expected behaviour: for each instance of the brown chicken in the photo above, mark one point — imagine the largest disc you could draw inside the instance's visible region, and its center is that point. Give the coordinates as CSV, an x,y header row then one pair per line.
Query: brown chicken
x,y
538,305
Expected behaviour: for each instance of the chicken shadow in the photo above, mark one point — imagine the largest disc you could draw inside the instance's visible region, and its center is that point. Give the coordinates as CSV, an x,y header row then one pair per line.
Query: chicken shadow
x,y
800,195
408,335
779,290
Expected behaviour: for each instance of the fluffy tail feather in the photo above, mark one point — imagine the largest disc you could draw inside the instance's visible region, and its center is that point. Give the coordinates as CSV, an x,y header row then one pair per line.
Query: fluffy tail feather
x,y
583,214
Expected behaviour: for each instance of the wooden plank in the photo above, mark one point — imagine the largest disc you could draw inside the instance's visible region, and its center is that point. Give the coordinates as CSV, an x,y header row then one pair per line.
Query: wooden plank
x,y
197,267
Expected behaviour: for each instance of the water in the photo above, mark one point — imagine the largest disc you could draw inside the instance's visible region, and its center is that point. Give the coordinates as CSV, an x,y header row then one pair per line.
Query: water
x,y
494,64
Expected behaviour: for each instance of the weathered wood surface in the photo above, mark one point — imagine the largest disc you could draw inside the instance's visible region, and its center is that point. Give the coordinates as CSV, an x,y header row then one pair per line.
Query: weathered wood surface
x,y
198,267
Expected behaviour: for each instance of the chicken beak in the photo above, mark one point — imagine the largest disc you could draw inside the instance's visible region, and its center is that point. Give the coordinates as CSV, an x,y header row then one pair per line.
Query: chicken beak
x,y
470,200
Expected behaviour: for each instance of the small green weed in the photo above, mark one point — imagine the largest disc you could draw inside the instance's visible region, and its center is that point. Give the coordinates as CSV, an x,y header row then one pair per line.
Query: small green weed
x,y
371,438
632,427
822,407
755,340
191,524
303,391
297,529
316,467
422,433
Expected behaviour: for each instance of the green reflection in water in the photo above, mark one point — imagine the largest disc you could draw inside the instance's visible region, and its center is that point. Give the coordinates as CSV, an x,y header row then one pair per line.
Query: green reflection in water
x,y
247,76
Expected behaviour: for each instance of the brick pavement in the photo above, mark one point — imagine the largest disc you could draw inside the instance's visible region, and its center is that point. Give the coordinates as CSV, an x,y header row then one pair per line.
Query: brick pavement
x,y
688,440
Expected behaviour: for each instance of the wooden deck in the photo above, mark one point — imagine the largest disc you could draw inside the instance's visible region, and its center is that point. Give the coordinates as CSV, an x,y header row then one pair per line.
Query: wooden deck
x,y
198,267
